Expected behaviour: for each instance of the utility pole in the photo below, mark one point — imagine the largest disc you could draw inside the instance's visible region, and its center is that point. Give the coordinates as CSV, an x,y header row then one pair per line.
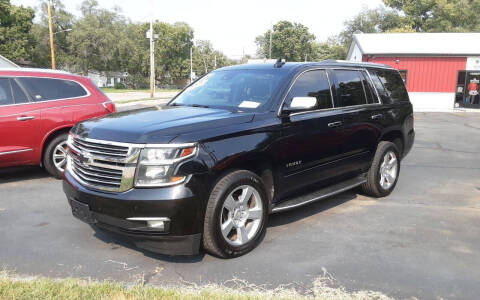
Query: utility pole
x,y
152,57
191,64
215,62
50,28
271,32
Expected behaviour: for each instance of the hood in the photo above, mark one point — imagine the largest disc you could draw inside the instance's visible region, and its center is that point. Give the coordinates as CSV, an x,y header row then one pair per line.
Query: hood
x,y
157,124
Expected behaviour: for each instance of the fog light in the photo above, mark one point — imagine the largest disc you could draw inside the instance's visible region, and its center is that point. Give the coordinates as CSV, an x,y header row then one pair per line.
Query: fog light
x,y
159,223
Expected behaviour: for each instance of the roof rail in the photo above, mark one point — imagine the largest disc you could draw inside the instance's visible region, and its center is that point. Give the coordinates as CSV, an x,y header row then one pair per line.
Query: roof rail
x,y
280,62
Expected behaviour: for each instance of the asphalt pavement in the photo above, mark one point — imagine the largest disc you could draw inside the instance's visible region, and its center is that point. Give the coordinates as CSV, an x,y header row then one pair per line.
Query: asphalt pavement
x,y
421,241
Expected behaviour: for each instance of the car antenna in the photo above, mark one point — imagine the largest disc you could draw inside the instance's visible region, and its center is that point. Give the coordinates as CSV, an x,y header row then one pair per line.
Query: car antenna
x,y
280,62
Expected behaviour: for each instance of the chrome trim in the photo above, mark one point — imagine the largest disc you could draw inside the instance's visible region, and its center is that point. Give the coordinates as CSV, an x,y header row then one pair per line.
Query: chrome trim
x,y
279,111
15,151
26,118
275,210
379,100
164,219
114,172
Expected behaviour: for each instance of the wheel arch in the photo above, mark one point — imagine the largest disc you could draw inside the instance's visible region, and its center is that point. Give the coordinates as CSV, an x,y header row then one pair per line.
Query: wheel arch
x,y
50,136
262,165
396,137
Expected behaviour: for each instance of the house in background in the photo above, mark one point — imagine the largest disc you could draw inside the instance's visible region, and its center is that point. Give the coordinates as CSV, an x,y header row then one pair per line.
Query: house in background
x,y
5,63
438,68
107,79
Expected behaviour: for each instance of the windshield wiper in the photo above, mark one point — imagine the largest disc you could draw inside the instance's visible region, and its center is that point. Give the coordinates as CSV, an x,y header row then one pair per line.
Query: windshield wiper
x,y
200,105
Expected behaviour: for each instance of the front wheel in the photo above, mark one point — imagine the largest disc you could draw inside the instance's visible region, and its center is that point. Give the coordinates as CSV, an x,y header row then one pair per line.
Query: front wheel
x,y
55,155
383,174
236,215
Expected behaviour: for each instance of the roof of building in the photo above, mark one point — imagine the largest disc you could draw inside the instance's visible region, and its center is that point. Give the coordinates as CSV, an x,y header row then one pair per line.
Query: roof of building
x,y
9,61
417,43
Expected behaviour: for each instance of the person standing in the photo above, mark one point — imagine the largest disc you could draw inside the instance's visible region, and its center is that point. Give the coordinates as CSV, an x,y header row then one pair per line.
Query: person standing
x,y
472,90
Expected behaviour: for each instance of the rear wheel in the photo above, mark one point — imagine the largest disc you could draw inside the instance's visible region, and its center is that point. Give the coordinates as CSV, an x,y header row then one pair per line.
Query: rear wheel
x,y
236,215
55,155
383,174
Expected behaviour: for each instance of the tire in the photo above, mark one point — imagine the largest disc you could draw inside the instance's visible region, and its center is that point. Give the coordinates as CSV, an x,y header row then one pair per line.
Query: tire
x,y
225,209
51,156
376,186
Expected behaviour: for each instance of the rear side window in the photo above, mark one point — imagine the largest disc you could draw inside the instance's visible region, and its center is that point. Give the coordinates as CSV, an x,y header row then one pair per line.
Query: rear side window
x,y
19,95
44,89
350,88
371,98
312,84
392,85
5,92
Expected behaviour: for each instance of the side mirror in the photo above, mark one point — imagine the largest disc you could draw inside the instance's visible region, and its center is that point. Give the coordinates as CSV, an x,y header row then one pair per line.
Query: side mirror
x,y
301,104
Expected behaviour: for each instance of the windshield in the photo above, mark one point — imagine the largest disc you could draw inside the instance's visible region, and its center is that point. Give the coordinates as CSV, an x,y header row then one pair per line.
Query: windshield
x,y
232,89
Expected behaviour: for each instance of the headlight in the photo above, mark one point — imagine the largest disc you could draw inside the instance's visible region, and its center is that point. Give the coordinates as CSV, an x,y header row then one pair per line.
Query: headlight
x,y
156,166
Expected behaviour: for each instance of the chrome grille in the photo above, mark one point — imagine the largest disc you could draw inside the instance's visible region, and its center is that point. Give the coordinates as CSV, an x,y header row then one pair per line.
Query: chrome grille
x,y
102,165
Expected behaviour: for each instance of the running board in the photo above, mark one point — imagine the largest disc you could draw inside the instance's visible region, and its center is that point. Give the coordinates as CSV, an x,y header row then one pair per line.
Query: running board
x,y
319,194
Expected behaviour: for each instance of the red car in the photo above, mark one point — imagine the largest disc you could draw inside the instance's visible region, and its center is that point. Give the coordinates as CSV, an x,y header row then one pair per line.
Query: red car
x,y
37,109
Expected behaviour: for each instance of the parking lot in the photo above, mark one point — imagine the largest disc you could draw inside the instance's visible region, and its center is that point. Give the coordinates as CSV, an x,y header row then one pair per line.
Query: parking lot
x,y
422,241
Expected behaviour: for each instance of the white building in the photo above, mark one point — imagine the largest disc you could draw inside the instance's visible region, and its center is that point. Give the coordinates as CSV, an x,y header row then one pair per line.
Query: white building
x,y
5,63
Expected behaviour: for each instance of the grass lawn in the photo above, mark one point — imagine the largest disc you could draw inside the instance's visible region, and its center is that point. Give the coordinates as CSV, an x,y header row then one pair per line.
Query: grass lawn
x,y
72,289
113,90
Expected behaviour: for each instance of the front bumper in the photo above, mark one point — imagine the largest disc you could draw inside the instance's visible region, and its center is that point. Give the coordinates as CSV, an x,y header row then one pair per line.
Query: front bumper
x,y
182,206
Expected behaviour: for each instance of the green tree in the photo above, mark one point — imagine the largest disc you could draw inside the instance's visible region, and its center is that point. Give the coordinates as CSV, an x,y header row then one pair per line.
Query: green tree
x,y
371,21
291,41
439,15
94,38
16,39
330,49
206,58
62,23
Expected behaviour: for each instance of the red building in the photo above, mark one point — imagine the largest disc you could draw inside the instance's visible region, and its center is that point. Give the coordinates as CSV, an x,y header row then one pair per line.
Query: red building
x,y
441,70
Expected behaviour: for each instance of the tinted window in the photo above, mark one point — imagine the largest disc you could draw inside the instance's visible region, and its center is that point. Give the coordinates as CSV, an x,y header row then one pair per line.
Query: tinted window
x,y
18,94
5,92
312,84
371,98
43,89
350,88
393,85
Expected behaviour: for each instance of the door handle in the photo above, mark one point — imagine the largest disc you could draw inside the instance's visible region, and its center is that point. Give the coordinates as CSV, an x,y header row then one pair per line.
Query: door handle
x,y
335,124
375,117
25,118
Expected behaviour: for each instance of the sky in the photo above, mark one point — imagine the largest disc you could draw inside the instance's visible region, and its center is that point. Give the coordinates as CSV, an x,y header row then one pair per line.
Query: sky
x,y
232,26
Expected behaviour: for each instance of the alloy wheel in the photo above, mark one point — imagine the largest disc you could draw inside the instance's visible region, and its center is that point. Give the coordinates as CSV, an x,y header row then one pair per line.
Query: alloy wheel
x,y
59,156
241,216
388,170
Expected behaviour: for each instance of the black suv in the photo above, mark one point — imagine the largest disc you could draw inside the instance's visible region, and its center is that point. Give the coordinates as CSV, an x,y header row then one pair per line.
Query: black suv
x,y
236,145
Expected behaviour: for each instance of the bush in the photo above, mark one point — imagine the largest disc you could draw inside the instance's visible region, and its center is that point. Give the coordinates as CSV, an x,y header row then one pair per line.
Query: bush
x,y
119,86
137,82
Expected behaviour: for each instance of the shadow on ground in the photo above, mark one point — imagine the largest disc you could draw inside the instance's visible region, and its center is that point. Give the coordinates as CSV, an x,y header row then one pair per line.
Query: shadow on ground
x,y
16,174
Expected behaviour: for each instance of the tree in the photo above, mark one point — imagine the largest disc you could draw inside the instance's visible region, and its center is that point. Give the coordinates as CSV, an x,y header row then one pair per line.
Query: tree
x,y
95,37
16,39
62,22
439,15
291,41
371,21
330,49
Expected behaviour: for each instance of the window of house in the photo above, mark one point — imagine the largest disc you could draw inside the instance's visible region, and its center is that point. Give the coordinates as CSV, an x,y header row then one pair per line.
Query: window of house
x,y
312,84
350,88
44,89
